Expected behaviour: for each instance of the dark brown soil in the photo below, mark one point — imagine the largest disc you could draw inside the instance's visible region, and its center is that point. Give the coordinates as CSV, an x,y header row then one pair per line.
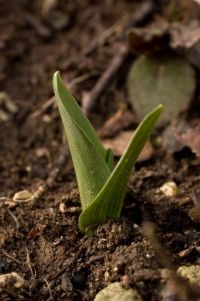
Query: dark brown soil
x,y
40,239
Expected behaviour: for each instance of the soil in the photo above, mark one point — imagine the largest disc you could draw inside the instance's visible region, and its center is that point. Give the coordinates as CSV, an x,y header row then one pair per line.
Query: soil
x,y
40,239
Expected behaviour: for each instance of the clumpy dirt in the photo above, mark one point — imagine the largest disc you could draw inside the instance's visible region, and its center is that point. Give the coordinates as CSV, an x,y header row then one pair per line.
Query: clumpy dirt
x,y
40,239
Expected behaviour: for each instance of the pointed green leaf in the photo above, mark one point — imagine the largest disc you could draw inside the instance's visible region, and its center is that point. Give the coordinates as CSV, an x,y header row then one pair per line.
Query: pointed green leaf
x,y
108,203
66,102
88,155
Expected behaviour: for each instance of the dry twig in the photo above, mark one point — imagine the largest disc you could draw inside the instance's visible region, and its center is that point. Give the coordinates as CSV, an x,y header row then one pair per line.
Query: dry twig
x,y
28,263
11,257
49,288
89,98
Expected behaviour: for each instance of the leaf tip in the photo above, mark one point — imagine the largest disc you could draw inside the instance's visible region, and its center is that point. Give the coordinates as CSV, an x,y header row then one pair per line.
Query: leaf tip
x,y
159,109
56,74
56,78
58,85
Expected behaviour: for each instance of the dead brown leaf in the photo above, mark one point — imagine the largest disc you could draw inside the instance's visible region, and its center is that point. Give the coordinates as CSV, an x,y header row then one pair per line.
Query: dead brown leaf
x,y
182,36
150,39
121,120
189,135
161,35
119,143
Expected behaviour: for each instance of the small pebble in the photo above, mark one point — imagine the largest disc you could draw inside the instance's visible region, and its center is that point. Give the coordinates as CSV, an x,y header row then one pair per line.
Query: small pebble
x,y
11,282
22,196
169,188
115,292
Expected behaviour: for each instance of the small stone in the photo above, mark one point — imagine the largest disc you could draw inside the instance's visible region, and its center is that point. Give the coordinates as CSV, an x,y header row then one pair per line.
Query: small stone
x,y
42,152
169,188
192,273
62,208
114,292
22,196
11,282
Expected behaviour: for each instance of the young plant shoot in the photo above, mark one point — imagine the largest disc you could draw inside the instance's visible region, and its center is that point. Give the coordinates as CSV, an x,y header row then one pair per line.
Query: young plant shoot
x,y
102,186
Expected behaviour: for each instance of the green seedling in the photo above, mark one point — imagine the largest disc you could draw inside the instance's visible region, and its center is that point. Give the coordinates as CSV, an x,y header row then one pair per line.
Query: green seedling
x,y
102,186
